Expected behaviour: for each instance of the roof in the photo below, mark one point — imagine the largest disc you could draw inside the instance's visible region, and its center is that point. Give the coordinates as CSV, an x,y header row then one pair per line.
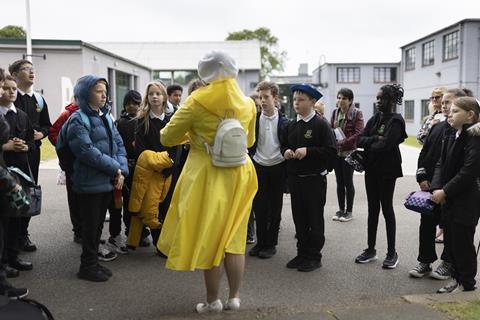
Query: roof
x,y
185,55
441,30
53,44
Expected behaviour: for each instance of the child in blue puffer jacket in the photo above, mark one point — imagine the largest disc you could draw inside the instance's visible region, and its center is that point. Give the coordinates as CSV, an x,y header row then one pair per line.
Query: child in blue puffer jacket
x,y
100,164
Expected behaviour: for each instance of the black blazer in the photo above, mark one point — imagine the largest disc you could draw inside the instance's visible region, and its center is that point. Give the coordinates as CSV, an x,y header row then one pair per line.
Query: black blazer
x,y
458,173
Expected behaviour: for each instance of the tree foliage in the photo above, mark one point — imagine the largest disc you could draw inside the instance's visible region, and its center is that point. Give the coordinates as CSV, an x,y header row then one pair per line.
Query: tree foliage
x,y
271,58
12,32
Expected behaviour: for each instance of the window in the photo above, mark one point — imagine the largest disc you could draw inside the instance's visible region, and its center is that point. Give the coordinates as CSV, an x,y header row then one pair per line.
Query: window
x,y
450,46
410,59
384,74
122,86
348,75
409,110
425,110
428,53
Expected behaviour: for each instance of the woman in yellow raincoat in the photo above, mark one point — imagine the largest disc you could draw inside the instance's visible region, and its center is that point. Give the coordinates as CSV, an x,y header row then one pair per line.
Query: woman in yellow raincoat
x,y
207,219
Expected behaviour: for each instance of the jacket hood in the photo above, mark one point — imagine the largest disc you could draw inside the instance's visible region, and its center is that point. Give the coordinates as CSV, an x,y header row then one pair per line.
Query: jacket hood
x,y
220,96
82,92
474,130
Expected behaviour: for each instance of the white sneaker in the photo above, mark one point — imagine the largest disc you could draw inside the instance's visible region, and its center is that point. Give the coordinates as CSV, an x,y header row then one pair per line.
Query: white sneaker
x,y
117,245
104,254
232,304
107,217
215,306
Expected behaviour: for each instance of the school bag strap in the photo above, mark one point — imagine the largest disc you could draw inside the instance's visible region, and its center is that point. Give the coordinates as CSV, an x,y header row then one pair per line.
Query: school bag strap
x,y
40,101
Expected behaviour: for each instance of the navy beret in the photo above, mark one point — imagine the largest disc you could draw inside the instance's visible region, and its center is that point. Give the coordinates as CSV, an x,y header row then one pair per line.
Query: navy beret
x,y
308,89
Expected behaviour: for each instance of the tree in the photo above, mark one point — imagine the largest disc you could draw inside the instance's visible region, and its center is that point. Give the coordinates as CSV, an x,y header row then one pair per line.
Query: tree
x,y
12,32
271,58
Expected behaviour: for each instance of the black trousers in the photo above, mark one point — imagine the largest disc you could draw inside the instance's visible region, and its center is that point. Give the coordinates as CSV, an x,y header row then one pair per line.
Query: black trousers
x,y
73,207
93,207
34,162
380,191
427,233
345,188
268,203
308,195
3,276
11,230
459,239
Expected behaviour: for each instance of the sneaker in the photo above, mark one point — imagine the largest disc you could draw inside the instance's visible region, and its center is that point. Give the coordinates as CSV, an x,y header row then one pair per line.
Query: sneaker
x,y
14,293
215,306
107,217
337,215
295,262
367,256
232,304
422,269
106,255
117,245
145,242
309,265
346,217
94,274
391,261
449,288
255,251
267,253
251,240
443,271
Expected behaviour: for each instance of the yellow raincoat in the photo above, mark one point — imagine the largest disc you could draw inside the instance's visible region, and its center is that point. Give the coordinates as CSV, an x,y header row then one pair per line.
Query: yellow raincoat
x,y
210,206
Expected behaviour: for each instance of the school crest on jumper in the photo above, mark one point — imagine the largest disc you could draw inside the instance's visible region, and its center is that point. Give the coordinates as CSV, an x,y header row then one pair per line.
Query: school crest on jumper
x,y
308,134
38,109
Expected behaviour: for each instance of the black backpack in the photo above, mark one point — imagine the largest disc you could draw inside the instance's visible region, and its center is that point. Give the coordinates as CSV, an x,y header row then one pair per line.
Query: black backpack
x,y
23,309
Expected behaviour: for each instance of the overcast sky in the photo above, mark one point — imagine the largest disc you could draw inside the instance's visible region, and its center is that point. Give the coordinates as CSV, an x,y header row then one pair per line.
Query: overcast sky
x,y
338,31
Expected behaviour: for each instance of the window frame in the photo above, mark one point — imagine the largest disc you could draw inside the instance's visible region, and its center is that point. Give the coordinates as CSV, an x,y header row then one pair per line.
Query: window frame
x,y
445,41
410,66
347,70
428,47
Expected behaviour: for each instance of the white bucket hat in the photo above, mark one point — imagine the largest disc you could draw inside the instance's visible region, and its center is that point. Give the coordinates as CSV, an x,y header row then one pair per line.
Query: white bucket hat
x,y
217,65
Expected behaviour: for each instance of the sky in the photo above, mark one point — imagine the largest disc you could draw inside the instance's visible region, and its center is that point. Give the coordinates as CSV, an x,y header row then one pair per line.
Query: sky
x,y
309,31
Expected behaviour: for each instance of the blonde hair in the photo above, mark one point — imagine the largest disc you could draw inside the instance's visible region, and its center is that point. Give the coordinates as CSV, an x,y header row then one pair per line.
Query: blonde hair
x,y
268,85
145,108
438,90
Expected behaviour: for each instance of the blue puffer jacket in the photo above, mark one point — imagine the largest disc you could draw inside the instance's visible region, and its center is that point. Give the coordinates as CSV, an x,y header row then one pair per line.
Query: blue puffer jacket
x,y
96,160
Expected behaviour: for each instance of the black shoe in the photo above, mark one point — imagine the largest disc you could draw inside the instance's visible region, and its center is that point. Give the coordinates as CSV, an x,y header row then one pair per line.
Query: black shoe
x,y
77,239
267,253
295,262
255,251
27,245
105,270
14,293
11,272
391,261
94,274
367,256
251,240
21,265
309,265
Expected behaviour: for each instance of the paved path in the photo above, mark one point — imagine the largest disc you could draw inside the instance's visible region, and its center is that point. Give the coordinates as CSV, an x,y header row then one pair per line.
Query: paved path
x,y
142,289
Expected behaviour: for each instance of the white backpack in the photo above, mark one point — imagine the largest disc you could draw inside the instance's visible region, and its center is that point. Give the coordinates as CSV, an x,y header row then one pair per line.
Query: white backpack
x,y
230,145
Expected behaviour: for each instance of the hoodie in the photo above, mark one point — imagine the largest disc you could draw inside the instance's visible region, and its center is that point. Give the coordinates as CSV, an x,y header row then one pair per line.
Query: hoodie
x,y
98,149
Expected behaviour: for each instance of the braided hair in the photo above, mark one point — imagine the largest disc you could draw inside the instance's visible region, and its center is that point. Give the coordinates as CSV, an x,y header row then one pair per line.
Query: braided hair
x,y
392,94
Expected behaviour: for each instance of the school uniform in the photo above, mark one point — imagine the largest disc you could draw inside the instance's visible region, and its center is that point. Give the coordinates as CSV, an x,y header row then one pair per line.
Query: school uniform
x,y
458,174
307,181
40,120
382,168
271,174
151,141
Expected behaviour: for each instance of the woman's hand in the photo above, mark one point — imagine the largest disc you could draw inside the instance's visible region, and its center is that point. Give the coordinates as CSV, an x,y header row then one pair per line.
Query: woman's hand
x,y
439,196
424,185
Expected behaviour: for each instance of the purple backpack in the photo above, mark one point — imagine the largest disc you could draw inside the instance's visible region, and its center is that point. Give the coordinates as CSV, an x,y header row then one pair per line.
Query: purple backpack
x,y
420,201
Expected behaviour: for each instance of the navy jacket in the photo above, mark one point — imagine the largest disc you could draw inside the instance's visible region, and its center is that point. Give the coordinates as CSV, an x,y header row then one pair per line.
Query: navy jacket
x,y
281,127
99,152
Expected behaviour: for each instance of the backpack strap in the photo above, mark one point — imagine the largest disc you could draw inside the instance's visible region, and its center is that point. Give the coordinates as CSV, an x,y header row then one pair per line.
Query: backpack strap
x,y
40,101
85,118
39,306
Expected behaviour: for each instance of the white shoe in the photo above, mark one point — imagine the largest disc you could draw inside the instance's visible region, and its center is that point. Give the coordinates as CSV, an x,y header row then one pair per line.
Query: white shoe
x,y
232,304
215,306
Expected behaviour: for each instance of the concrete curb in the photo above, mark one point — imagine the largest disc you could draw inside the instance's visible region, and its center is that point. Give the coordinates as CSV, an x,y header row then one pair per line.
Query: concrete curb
x,y
429,299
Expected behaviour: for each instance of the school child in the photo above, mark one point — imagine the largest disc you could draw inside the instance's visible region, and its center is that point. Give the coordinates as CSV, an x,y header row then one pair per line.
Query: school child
x,y
126,127
456,186
100,165
271,173
380,139
151,119
427,160
15,154
309,148
35,106
347,123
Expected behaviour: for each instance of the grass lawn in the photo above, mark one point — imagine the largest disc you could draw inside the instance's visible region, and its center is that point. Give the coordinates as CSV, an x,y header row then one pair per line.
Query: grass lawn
x,y
412,142
462,311
47,150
